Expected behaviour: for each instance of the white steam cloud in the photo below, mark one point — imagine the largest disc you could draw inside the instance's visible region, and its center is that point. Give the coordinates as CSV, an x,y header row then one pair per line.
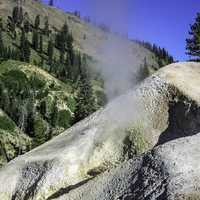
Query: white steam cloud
x,y
119,63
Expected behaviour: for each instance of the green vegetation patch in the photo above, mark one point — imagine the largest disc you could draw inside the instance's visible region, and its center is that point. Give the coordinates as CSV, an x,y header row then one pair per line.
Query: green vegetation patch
x,y
71,102
37,82
64,118
15,80
7,124
135,142
40,130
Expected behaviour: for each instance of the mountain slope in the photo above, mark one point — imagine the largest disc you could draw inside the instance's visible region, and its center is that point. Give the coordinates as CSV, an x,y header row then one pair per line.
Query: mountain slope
x,y
94,36
89,39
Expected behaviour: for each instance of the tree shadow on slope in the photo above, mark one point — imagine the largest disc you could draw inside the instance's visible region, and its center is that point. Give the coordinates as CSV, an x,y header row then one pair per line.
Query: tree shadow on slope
x,y
66,190
184,120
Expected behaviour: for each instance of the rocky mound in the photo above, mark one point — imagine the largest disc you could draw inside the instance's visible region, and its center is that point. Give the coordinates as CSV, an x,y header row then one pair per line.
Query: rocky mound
x,y
84,162
170,171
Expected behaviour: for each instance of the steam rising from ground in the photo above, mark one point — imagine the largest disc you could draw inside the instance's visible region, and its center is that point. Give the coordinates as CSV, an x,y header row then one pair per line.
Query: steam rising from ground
x,y
118,62
120,66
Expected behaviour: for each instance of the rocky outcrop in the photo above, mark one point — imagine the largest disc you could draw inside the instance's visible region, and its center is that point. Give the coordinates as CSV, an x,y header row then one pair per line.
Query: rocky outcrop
x,y
170,171
92,159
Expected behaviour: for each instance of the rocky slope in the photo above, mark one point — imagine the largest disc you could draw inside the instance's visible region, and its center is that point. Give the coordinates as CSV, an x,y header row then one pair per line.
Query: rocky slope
x,y
169,171
91,160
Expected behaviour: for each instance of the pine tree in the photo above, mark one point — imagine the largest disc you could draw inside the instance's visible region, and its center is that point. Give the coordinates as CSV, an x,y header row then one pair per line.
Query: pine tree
x,y
41,43
27,51
54,113
85,100
61,38
50,51
68,68
62,56
37,22
11,27
20,18
35,40
46,26
24,47
1,44
16,54
17,15
26,26
76,67
193,43
70,49
1,24
31,113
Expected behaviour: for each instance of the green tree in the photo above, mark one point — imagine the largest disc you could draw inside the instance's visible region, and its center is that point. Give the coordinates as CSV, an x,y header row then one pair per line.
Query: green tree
x,y
1,44
61,38
27,50
24,47
76,67
1,24
50,51
85,100
11,27
35,40
193,43
70,49
26,26
46,30
37,22
22,44
17,15
41,43
54,113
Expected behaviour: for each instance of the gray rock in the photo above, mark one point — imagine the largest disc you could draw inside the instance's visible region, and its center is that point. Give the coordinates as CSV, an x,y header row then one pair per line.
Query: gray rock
x,y
170,171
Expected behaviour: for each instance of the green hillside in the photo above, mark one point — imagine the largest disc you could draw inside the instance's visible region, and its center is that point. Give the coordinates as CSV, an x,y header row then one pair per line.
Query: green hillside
x,y
13,141
38,104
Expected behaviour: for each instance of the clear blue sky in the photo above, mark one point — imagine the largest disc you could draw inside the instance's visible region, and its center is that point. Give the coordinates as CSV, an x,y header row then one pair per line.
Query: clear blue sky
x,y
164,22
